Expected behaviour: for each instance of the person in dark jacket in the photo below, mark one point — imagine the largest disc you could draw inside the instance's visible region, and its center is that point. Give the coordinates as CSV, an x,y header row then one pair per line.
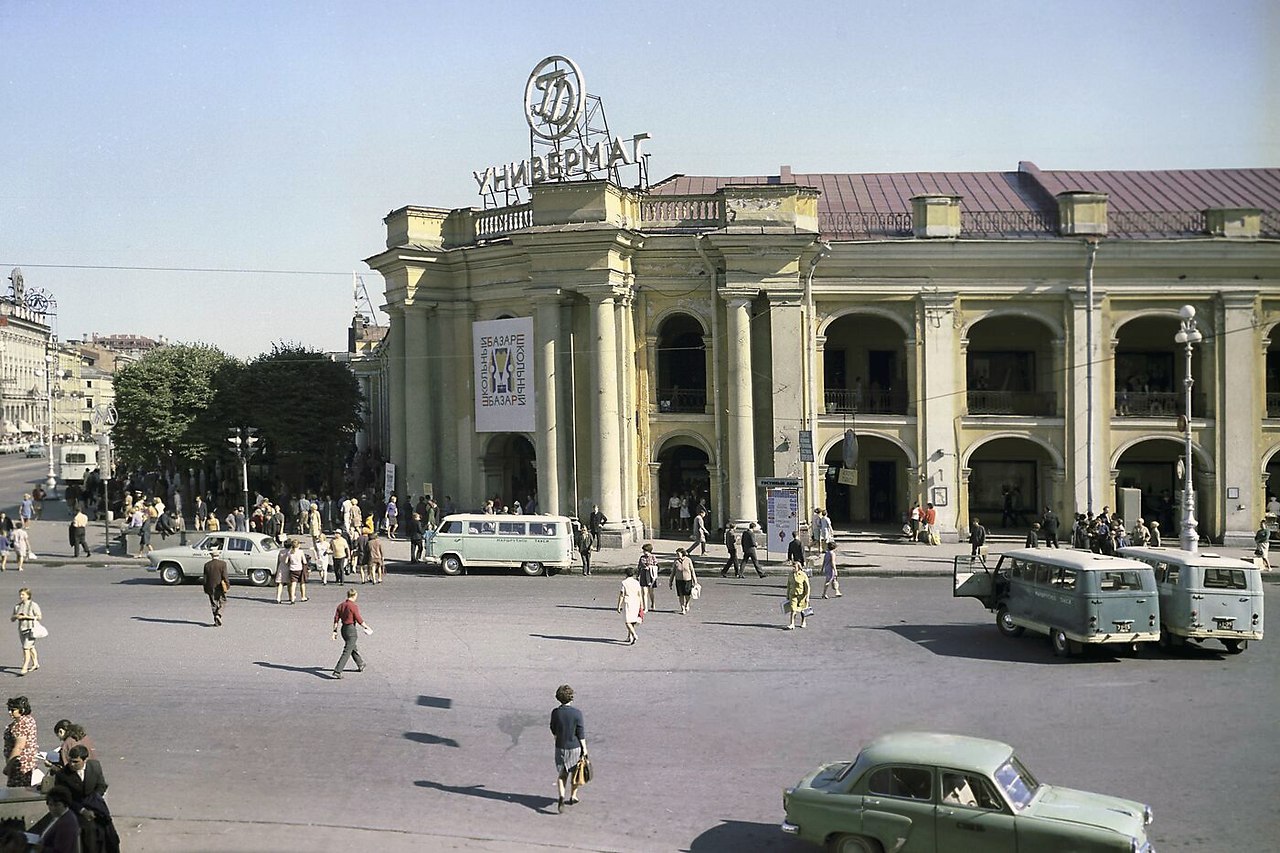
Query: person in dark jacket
x,y
795,548
413,532
749,548
977,541
1049,524
1033,535
595,523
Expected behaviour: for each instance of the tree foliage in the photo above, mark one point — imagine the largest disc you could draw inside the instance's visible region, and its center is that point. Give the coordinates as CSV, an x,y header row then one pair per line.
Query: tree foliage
x,y
305,405
178,403
163,400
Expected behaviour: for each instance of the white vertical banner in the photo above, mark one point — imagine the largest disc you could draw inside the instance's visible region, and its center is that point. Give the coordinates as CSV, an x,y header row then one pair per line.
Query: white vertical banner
x,y
782,507
389,481
503,359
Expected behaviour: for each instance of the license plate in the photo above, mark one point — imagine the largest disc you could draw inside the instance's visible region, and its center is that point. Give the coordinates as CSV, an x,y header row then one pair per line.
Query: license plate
x,y
1225,624
1124,627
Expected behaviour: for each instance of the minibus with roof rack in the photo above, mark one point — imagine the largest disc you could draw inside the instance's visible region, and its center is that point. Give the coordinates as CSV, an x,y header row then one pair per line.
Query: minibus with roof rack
x,y
1077,598
1204,596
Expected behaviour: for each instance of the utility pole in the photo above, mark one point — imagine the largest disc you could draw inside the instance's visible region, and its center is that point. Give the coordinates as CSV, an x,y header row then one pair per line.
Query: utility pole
x,y
244,443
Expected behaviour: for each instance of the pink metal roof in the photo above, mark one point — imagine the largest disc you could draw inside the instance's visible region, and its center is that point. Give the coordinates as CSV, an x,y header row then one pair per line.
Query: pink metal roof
x,y
1029,189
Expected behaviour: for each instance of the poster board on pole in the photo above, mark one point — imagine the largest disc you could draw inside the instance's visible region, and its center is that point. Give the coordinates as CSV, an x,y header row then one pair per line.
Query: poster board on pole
x,y
782,507
503,363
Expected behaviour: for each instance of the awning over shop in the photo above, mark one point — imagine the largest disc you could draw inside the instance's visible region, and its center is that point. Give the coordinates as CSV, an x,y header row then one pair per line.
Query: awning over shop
x,y
25,426
8,428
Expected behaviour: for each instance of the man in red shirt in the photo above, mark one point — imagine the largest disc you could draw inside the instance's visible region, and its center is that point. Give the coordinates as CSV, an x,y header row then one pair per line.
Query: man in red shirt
x,y
931,522
347,618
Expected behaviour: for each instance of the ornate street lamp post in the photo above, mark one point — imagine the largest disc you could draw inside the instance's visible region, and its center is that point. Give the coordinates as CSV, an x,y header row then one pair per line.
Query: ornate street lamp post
x,y
51,482
1188,335
244,443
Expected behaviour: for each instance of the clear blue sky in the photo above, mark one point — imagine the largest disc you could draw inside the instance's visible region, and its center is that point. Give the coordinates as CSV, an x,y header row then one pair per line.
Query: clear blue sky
x,y
273,137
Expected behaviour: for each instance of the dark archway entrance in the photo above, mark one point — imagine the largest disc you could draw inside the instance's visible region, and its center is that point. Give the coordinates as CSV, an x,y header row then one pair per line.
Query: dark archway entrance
x,y
682,473
880,495
510,472
1152,467
1007,487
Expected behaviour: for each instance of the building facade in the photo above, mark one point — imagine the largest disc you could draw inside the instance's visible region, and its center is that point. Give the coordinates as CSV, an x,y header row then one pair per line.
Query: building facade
x,y
993,343
25,338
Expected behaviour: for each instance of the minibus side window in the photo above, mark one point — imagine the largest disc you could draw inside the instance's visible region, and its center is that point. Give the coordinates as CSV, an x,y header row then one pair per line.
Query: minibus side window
x,y
511,528
482,528
1016,570
1066,579
1169,572
1042,574
451,527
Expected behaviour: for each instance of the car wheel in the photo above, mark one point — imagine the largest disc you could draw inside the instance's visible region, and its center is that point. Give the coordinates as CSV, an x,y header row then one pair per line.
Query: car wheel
x,y
532,568
1235,647
1005,624
451,565
170,574
853,844
1061,645
259,577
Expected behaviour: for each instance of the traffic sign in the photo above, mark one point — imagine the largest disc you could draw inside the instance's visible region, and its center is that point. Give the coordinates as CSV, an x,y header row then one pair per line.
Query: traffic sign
x,y
806,445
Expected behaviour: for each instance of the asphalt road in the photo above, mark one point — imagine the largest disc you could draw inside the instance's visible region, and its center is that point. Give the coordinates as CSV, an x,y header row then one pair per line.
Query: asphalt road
x,y
236,739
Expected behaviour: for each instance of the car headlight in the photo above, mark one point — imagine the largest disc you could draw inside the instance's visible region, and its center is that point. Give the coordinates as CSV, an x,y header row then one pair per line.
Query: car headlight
x,y
1147,816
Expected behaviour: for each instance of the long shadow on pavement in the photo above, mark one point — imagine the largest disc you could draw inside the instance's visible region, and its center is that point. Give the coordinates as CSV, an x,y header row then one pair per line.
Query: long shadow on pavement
x,y
430,739
169,621
776,626
584,607
529,801
979,642
317,671
608,640
737,835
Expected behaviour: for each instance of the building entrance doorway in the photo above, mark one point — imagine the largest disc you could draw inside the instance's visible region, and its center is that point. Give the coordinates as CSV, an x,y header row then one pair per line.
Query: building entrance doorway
x,y
682,475
510,471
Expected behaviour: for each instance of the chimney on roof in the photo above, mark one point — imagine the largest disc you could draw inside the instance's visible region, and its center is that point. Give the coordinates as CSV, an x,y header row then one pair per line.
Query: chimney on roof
x,y
1233,222
1082,214
935,216
784,175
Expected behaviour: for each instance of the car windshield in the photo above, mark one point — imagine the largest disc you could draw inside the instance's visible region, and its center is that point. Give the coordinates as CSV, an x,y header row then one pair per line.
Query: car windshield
x,y
1018,785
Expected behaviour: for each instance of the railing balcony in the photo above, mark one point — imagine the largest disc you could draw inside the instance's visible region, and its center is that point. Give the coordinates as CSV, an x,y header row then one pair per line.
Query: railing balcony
x,y
1028,403
1158,404
682,400
865,402
681,213
503,220
1273,405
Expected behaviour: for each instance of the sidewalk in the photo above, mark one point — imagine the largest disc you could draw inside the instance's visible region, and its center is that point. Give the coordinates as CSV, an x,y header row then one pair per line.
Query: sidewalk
x,y
854,557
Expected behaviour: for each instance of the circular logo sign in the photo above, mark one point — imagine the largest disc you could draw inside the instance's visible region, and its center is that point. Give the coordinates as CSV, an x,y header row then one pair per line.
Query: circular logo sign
x,y
554,98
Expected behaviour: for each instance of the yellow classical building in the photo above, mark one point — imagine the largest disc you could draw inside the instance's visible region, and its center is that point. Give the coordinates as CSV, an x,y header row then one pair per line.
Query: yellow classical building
x,y
702,335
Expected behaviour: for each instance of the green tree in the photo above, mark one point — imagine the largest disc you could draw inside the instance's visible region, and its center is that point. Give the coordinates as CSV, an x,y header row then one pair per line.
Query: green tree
x,y
164,401
306,407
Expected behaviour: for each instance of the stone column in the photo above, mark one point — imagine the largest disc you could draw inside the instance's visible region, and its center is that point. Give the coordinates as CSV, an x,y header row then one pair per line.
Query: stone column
x,y
943,365
651,368
709,360
420,462
396,367
627,401
1080,410
458,441
739,424
789,345
1238,406
606,438
567,432
546,333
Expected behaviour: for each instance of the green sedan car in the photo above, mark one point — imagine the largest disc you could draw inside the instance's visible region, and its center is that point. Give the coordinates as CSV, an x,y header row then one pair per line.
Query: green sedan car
x,y
917,792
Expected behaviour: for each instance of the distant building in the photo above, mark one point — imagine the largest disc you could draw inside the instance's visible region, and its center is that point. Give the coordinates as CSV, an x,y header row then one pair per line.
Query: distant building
x,y
24,342
366,354
133,346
